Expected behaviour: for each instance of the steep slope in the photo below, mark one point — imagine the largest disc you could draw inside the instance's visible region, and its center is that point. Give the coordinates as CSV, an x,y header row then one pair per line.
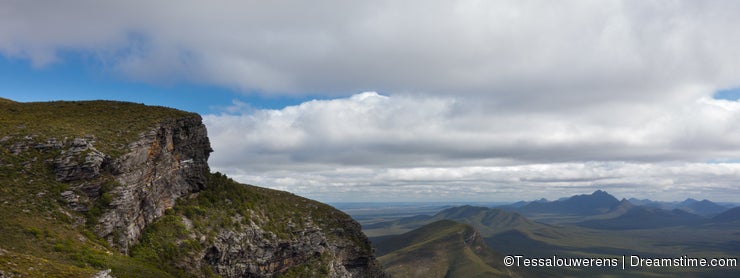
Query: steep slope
x,y
441,249
84,182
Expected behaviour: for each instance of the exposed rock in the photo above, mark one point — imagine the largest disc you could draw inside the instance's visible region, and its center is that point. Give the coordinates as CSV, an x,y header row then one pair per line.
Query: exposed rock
x,y
252,252
73,200
18,147
80,162
103,274
50,144
153,176
165,163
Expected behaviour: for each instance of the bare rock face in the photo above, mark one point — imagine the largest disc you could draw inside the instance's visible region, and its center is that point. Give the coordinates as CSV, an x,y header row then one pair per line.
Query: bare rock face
x,y
80,162
163,165
252,252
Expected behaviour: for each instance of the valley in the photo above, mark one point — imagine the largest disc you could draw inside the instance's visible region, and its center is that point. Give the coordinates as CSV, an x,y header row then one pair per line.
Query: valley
x,y
593,225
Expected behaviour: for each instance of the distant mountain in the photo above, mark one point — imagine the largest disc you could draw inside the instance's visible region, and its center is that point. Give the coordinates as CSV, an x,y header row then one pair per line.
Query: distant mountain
x,y
731,215
644,202
443,248
643,217
515,205
488,221
704,207
598,202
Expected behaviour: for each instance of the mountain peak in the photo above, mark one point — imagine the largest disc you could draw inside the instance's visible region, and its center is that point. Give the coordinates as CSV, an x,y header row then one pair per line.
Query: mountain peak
x,y
597,195
599,192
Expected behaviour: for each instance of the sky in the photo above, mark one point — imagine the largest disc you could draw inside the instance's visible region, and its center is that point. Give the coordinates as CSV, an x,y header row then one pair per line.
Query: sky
x,y
357,101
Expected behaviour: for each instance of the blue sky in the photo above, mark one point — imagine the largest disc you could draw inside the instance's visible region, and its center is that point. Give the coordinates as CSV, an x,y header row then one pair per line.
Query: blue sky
x,y
728,94
76,77
416,100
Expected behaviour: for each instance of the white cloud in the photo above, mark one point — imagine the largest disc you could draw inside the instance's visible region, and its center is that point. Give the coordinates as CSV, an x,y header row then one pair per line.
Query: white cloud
x,y
537,53
374,143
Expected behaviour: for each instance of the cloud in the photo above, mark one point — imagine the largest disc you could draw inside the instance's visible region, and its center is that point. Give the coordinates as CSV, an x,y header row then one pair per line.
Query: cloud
x,y
374,143
477,96
535,53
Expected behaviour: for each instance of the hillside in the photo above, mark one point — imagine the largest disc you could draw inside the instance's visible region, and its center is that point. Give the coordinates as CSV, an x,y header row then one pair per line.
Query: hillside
x,y
441,249
96,185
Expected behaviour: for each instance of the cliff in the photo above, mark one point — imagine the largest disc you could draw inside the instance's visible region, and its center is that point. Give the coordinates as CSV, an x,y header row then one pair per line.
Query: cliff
x,y
163,164
90,186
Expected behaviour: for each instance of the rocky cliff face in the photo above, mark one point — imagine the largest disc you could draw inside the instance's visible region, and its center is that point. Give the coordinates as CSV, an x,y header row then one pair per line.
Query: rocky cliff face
x,y
256,252
166,163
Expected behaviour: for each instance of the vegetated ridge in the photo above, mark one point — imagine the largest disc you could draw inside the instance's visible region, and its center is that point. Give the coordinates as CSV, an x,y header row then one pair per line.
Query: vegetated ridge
x,y
443,248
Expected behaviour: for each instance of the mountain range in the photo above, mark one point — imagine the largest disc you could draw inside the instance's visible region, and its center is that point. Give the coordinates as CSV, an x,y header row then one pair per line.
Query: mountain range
x,y
596,225
703,207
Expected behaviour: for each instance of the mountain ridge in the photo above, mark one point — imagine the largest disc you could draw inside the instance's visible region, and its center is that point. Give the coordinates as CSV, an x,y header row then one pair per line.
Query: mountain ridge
x,y
452,249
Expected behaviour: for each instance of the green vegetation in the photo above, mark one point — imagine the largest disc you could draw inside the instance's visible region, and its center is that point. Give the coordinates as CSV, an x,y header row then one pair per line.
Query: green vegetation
x,y
441,249
112,124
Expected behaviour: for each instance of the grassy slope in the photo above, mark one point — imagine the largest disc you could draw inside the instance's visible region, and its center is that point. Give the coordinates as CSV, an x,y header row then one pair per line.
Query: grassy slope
x,y
113,124
438,250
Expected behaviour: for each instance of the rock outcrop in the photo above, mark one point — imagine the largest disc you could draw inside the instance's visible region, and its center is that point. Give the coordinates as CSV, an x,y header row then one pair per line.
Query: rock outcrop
x,y
254,252
81,161
166,163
